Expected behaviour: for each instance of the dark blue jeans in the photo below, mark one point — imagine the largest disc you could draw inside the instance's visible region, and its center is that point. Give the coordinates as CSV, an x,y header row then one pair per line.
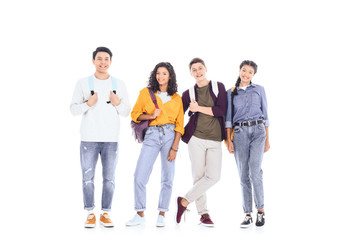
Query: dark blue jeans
x,y
89,153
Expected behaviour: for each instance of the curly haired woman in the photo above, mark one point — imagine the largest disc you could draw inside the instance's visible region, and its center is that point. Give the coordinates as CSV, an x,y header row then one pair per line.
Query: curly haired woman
x,y
162,136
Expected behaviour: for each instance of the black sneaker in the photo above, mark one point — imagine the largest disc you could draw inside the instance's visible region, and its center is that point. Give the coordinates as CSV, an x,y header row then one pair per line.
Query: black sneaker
x,y
247,222
260,219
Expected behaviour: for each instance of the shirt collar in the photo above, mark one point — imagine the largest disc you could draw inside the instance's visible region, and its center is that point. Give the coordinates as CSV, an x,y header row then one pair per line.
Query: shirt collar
x,y
250,86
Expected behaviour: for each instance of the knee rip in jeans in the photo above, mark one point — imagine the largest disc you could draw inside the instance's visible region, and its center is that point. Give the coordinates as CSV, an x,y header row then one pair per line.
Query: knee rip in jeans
x,y
88,170
88,182
109,181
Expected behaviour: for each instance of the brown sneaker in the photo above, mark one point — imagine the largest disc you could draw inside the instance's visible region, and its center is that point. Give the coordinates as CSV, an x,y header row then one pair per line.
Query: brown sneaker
x,y
90,221
105,220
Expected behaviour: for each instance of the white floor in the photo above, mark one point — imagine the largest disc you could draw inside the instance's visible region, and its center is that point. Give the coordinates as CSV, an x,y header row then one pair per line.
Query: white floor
x,y
50,204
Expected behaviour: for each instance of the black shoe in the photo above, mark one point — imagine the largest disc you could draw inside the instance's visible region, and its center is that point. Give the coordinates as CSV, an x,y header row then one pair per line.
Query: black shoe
x,y
247,222
260,219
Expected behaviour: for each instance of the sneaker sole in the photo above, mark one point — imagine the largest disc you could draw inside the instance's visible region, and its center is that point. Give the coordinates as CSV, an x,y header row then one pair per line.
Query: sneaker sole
x,y
108,225
207,225
89,225
245,226
134,225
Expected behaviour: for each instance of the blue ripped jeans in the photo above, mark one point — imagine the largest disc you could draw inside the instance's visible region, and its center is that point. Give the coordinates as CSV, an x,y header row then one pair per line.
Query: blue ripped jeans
x,y
89,153
249,144
157,140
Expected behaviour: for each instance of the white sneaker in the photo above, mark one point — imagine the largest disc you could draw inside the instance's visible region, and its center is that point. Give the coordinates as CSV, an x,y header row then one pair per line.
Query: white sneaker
x,y
160,221
136,220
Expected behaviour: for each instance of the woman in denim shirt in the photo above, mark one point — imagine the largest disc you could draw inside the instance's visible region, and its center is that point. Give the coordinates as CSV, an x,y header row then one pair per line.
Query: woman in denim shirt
x,y
247,115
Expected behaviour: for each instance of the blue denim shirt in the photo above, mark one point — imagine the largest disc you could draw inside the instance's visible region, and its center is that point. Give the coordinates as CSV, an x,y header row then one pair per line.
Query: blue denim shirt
x,y
249,105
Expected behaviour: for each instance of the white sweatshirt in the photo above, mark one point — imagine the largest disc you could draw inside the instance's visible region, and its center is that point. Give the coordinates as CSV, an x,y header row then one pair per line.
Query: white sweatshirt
x,y
100,123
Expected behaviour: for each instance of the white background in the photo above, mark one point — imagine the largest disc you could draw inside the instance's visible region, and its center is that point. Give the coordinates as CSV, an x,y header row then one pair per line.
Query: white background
x,y
308,58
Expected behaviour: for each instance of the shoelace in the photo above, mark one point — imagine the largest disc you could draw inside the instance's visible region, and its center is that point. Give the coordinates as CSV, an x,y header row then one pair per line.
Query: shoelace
x,y
106,216
91,216
260,217
247,218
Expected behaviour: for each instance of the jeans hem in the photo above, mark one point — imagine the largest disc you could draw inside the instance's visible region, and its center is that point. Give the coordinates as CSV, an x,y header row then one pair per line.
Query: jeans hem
x,y
204,212
140,209
262,207
163,210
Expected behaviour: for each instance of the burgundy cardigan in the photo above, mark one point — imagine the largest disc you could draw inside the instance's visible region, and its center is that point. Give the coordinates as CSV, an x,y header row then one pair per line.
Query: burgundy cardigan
x,y
219,111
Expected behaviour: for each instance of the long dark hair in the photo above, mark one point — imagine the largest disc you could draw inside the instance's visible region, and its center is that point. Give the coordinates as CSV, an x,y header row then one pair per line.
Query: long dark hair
x,y
172,85
238,81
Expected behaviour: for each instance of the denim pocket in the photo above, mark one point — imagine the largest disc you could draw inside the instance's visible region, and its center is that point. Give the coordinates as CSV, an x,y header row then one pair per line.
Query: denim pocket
x,y
255,99
149,130
237,129
239,101
261,126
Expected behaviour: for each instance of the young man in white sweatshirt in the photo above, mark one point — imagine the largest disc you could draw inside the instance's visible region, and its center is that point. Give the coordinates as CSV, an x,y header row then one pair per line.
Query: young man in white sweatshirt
x,y
100,99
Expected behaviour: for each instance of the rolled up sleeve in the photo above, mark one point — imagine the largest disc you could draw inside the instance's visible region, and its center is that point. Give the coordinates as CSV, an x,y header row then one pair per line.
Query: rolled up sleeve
x,y
264,107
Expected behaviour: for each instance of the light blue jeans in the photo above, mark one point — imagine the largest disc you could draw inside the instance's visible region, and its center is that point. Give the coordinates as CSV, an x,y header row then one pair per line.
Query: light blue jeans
x,y
249,144
89,153
157,140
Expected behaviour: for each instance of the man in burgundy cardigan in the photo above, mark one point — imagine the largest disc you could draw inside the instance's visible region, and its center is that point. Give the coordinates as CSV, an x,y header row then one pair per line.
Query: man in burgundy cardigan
x,y
203,134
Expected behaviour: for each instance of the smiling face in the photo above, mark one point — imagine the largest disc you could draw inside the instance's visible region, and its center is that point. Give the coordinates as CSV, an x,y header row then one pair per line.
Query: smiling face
x,y
198,71
102,62
162,76
247,72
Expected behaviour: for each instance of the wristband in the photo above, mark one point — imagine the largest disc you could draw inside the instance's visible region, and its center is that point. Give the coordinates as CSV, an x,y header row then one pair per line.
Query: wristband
x,y
175,150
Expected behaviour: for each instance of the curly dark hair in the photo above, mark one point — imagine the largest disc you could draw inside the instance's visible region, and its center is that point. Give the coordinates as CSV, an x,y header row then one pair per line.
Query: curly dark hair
x,y
238,81
172,85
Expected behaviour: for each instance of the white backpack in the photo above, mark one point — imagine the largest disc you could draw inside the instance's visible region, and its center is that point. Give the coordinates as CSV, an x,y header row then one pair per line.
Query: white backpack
x,y
214,86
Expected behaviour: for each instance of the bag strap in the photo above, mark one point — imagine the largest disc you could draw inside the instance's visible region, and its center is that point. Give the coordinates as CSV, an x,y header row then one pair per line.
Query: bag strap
x,y
215,88
192,93
153,97
91,84
114,84
232,105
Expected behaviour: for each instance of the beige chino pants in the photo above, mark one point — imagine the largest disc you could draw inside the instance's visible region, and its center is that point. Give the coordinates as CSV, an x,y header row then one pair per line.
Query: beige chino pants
x,y
205,157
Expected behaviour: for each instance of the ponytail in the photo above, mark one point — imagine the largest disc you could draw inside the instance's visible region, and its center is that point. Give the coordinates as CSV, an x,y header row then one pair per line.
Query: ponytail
x,y
237,84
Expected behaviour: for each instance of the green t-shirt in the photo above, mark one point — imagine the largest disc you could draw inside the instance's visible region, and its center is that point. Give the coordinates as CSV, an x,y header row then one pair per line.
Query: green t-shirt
x,y
208,127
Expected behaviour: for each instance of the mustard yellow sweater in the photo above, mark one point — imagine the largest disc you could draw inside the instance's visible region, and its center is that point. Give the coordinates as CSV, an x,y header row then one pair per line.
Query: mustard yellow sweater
x,y
171,112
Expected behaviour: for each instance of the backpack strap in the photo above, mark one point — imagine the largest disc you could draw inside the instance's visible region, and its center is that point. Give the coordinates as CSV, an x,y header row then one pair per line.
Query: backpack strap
x,y
114,84
153,97
91,84
192,93
215,88
232,105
